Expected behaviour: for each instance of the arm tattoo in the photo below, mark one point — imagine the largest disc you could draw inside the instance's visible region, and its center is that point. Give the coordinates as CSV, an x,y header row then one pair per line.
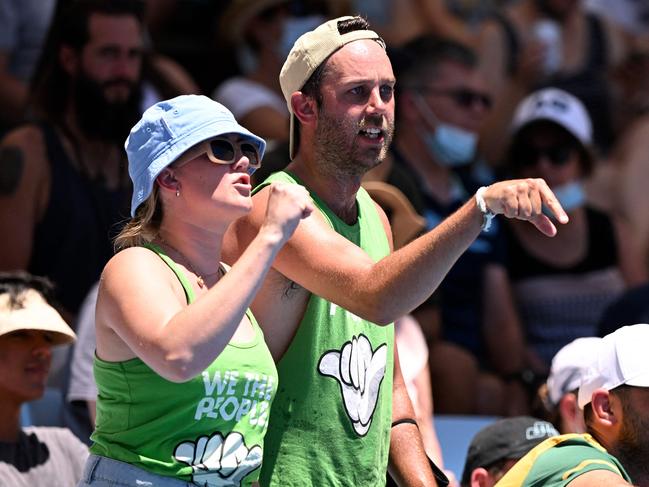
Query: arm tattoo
x,y
11,169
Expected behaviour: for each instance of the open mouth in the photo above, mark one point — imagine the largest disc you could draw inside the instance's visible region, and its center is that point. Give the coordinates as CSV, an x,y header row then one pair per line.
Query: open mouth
x,y
372,133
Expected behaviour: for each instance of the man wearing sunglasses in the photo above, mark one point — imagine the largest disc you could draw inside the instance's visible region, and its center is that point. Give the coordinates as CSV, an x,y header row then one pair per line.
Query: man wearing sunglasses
x,y
441,103
328,303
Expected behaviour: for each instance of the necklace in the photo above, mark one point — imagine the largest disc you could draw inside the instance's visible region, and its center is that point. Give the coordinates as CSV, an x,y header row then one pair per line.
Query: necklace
x,y
199,277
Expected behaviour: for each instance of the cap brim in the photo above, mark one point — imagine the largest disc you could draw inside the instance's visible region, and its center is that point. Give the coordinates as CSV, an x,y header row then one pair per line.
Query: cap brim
x,y
41,318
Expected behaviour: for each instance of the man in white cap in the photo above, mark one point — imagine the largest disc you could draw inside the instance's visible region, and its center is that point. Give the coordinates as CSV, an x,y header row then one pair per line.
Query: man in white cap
x,y
614,395
29,328
328,304
558,396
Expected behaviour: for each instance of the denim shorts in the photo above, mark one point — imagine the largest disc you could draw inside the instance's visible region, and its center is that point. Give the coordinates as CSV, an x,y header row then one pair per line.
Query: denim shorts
x,y
106,472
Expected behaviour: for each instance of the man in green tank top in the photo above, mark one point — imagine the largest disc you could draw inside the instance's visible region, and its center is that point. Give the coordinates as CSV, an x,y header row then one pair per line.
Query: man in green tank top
x,y
342,412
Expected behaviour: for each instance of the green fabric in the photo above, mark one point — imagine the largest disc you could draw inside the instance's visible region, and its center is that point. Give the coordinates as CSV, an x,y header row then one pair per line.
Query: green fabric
x,y
558,461
177,429
315,438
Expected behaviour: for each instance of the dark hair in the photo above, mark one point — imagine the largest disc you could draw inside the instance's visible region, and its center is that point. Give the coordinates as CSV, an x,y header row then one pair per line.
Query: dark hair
x,y
421,57
16,283
70,27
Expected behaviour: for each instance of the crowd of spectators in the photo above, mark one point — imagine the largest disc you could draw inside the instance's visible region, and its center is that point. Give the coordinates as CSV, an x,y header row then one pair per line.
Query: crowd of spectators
x,y
486,89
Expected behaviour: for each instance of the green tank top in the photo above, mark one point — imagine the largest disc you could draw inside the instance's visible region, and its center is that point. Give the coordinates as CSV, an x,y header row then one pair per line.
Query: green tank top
x,y
208,430
330,422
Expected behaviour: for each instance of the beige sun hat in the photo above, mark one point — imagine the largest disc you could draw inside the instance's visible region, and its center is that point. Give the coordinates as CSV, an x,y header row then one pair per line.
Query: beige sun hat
x,y
34,314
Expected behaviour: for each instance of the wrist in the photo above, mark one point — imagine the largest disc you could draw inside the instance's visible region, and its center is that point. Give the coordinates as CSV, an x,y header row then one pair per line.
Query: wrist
x,y
487,214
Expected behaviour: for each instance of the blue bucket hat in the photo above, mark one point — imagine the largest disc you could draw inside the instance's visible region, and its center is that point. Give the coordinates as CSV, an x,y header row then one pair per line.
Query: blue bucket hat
x,y
168,129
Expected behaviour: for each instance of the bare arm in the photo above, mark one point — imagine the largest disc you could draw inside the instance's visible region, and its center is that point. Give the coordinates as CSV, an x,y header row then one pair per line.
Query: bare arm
x,y
408,461
176,340
328,265
629,255
24,189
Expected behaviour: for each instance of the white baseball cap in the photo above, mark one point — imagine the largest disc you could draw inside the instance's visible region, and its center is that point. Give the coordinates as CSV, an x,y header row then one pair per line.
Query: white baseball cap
x,y
622,358
558,106
569,366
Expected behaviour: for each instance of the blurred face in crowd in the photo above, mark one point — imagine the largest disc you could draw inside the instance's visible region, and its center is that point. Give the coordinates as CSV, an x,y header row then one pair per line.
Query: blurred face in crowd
x,y
355,121
546,151
25,357
457,95
106,76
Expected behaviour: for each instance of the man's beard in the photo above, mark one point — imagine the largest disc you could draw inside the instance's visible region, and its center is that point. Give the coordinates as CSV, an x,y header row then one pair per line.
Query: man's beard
x,y
101,119
334,149
632,448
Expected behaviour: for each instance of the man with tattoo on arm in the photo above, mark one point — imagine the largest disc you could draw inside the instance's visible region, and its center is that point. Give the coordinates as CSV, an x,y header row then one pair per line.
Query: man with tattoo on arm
x,y
63,180
328,303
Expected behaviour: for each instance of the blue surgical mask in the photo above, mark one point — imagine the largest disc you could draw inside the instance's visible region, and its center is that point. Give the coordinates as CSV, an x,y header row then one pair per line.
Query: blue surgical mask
x,y
570,195
293,28
449,145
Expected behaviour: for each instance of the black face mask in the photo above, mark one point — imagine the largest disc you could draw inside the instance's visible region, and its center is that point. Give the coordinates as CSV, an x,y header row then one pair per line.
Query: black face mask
x,y
100,119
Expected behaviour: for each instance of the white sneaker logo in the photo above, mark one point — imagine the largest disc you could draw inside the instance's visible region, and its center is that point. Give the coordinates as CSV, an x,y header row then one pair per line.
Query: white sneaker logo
x,y
359,371
219,462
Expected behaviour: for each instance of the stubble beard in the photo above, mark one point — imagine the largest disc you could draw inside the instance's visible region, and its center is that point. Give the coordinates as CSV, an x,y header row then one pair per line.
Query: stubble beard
x,y
632,448
335,151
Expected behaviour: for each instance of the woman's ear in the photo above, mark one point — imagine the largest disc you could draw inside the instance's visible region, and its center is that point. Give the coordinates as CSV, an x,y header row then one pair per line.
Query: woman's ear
x,y
167,180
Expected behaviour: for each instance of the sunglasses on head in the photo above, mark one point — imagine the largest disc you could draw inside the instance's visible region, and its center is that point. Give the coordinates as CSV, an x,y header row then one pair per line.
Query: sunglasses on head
x,y
463,96
224,151
557,155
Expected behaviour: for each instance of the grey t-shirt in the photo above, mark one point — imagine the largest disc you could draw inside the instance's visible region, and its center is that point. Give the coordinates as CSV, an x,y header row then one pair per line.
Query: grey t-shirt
x,y
42,456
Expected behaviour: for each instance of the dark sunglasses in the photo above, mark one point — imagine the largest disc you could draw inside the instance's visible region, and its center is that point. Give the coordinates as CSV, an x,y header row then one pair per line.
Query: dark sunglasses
x,y
528,156
462,96
224,151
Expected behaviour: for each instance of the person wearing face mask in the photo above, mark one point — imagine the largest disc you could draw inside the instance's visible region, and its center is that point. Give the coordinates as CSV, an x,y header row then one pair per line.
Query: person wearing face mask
x,y
441,102
263,32
562,287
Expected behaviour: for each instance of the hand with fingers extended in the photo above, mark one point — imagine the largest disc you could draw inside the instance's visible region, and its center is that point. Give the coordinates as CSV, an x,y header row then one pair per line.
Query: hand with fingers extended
x,y
524,199
219,462
359,371
287,205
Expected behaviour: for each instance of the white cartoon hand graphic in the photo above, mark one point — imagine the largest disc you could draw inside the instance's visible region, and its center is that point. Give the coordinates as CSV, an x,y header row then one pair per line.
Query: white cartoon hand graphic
x,y
360,373
217,462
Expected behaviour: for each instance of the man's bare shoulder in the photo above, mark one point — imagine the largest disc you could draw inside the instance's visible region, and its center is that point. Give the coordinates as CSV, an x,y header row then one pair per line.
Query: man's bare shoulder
x,y
599,478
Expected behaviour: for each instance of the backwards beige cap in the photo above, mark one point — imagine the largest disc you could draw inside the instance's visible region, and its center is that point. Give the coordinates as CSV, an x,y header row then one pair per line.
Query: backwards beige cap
x,y
310,51
35,314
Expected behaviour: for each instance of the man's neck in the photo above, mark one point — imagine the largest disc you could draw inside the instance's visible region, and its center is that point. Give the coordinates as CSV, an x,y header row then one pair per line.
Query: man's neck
x,y
10,424
339,193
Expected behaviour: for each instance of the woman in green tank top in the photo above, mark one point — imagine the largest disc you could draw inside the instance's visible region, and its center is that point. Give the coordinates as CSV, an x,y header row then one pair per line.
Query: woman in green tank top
x,y
184,376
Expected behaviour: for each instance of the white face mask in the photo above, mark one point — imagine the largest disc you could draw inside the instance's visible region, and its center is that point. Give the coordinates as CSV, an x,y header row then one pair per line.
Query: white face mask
x,y
449,145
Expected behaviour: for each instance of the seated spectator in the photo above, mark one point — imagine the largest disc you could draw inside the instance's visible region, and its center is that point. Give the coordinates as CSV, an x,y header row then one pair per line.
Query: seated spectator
x,y
562,285
614,396
470,323
66,188
558,396
497,447
263,32
29,328
532,44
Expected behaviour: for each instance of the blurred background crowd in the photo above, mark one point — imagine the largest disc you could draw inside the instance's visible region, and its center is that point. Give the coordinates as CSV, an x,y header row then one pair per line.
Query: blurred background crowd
x,y
486,89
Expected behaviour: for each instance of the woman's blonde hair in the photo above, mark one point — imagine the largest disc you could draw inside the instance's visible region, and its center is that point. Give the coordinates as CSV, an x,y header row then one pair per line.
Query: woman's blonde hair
x,y
144,226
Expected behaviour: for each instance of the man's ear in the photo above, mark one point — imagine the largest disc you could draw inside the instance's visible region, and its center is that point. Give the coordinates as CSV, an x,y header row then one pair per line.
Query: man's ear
x,y
479,477
569,408
607,410
69,59
305,108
